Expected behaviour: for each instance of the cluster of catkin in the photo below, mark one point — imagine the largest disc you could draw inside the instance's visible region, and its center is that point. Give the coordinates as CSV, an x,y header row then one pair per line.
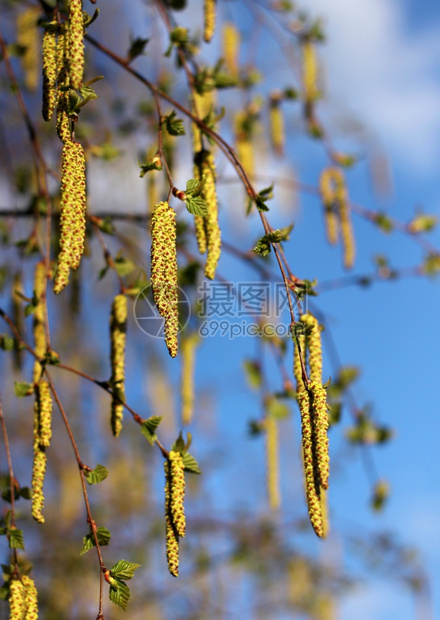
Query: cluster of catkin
x,y
207,228
334,195
164,271
175,522
23,601
118,328
312,401
63,68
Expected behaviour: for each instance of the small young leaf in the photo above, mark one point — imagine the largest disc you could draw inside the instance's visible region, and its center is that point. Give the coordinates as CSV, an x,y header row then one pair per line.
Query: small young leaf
x,y
196,206
252,369
119,594
21,389
25,493
16,540
148,428
103,535
123,265
6,342
136,48
190,463
194,187
174,125
153,164
277,409
123,569
98,474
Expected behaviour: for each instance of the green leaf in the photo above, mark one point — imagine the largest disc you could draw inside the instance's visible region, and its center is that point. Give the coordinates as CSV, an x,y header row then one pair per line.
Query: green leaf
x,y
225,80
194,187
196,206
277,409
148,428
25,493
137,48
252,369
106,225
123,569
422,223
261,205
4,593
21,389
264,247
119,594
190,463
103,272
87,94
174,125
6,342
179,35
256,427
16,540
381,493
153,164
384,222
98,474
123,265
103,536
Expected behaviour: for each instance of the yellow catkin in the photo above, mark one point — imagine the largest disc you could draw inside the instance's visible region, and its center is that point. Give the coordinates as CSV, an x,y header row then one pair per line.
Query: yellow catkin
x,y
38,473
43,413
63,82
17,600
313,490
38,322
28,39
209,17
276,125
297,368
201,105
213,234
31,598
314,347
172,538
347,236
73,210
118,327
188,350
177,492
49,71
231,47
272,463
243,144
310,71
327,191
76,43
318,403
164,271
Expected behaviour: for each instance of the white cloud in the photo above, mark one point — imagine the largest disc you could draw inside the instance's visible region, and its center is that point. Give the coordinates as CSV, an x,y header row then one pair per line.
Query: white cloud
x,y
385,75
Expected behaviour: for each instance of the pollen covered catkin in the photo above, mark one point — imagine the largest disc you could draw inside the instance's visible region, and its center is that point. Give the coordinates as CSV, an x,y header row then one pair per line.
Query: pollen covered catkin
x,y
76,43
320,428
63,83
314,347
31,598
177,492
164,271
38,322
272,463
172,537
17,600
73,212
212,227
209,18
49,71
231,46
38,474
43,415
328,197
188,349
28,40
310,71
118,328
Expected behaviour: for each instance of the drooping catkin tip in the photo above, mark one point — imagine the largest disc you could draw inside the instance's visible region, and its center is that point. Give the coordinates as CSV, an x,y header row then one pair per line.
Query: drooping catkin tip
x,y
209,15
17,600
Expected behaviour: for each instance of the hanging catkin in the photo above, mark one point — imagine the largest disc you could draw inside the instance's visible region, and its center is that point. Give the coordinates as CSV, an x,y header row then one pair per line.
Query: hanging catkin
x,y
49,70
31,598
212,228
172,538
63,83
328,197
76,43
209,18
272,464
310,71
73,210
118,328
28,40
276,124
177,492
231,46
17,600
243,143
188,349
38,322
164,271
